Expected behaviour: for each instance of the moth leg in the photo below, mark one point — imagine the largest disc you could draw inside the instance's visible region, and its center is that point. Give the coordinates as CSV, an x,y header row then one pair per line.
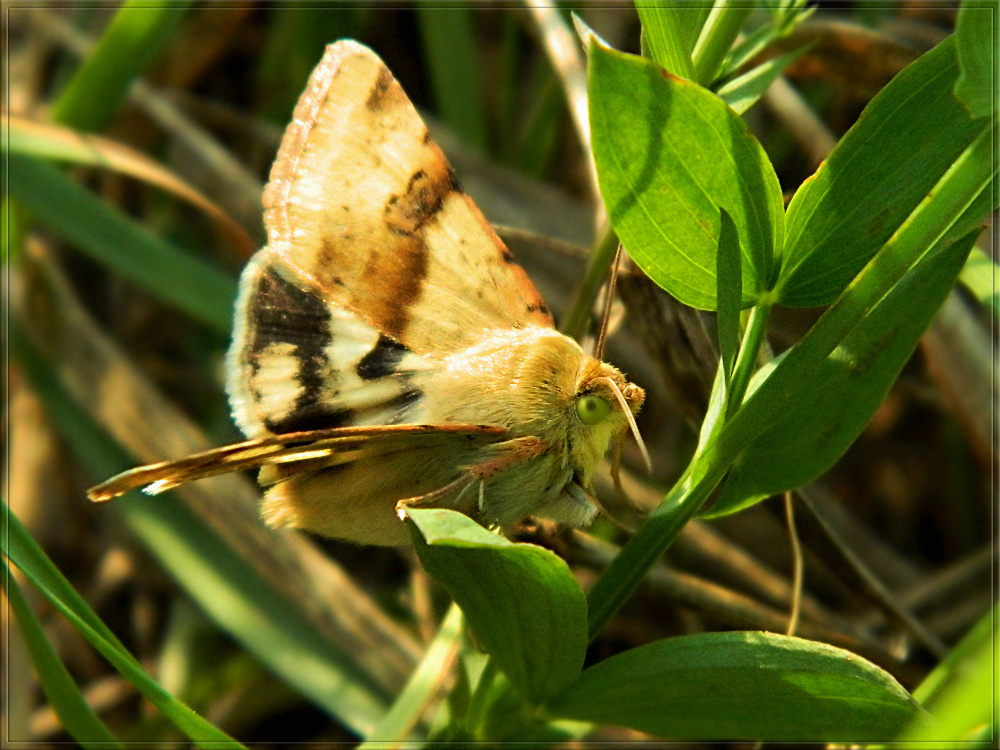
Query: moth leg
x,y
464,481
513,452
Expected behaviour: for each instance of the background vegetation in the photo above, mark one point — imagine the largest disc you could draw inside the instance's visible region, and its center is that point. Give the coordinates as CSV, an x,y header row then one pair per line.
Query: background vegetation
x,y
121,252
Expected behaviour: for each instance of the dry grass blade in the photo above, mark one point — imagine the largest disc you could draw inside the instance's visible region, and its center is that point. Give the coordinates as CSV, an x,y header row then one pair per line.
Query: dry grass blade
x,y
236,185
82,148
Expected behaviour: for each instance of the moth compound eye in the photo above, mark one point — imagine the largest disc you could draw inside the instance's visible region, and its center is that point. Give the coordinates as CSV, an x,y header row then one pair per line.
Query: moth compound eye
x,y
592,409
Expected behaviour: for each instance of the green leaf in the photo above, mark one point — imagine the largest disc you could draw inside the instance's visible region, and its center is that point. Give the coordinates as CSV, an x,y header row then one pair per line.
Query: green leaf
x,y
670,37
905,140
828,406
981,276
976,31
130,42
75,714
730,292
961,692
22,551
740,686
742,92
108,236
521,601
669,154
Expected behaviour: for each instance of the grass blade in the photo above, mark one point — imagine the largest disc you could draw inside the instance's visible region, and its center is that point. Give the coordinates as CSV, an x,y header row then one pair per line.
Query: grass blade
x,y
21,549
77,717
165,271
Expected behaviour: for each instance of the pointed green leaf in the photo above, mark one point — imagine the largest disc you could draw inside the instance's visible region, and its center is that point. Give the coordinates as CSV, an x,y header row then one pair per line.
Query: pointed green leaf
x,y
669,154
905,140
742,92
521,601
830,405
741,686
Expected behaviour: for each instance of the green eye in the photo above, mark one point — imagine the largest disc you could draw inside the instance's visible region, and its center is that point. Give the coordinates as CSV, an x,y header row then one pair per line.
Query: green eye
x,y
592,409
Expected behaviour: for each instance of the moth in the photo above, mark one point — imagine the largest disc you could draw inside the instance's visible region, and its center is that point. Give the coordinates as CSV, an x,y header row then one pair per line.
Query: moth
x,y
388,352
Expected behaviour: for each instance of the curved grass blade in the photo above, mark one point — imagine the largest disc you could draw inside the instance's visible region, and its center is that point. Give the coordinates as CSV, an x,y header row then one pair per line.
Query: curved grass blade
x,y
22,551
230,591
166,272
75,714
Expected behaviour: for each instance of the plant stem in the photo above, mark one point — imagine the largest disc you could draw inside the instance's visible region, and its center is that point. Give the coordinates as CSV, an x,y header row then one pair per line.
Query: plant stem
x,y
575,322
721,28
627,570
405,712
746,362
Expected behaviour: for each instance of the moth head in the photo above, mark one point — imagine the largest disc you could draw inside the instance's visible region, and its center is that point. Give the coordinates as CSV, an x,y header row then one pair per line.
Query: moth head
x,y
606,404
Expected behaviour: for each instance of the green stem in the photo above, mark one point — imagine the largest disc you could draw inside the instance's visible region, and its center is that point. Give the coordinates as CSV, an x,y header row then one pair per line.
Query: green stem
x,y
405,712
721,28
746,362
575,323
970,173
627,570
475,719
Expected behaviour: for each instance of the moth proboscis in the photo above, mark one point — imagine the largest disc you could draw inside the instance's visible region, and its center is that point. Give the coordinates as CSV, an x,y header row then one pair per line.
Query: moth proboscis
x,y
387,349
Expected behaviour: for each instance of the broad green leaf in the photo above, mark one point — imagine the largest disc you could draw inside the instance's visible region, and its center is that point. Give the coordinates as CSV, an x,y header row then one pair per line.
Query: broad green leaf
x,y
108,236
22,551
75,714
828,406
216,577
670,36
740,686
669,154
521,601
730,292
976,31
130,42
904,141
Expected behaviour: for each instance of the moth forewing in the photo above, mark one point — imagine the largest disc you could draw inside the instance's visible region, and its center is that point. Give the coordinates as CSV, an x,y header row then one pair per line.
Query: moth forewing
x,y
387,349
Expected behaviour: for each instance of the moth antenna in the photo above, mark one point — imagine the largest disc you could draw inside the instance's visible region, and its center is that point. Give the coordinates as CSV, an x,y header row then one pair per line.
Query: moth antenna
x,y
631,420
606,313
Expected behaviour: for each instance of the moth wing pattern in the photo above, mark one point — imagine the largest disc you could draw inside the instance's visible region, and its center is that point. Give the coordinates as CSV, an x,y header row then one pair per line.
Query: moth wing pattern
x,y
305,452
299,362
363,208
